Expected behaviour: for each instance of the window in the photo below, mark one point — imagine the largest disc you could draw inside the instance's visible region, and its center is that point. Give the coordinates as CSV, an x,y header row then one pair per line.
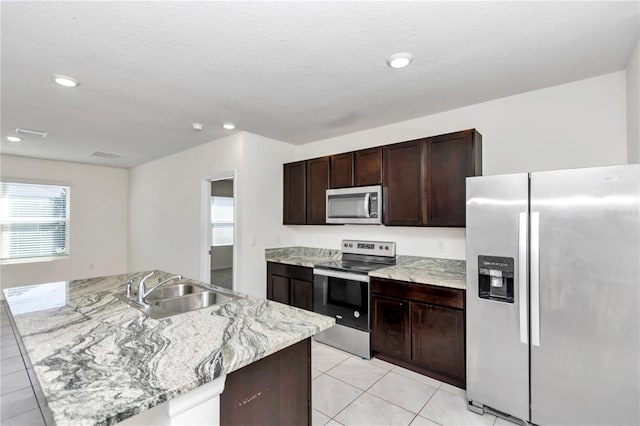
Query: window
x,y
34,221
222,221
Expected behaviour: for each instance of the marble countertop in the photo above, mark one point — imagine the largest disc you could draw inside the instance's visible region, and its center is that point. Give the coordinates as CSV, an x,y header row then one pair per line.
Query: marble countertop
x,y
422,270
301,256
426,270
100,361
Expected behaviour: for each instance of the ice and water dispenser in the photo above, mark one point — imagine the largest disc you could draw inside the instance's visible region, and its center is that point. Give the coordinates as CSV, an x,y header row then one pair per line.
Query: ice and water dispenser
x,y
495,278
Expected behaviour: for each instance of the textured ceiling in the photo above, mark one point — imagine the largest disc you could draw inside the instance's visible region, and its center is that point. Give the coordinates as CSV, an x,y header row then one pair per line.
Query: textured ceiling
x,y
292,71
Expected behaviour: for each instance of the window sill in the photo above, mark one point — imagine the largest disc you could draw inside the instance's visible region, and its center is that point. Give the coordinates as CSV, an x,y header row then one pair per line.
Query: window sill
x,y
32,260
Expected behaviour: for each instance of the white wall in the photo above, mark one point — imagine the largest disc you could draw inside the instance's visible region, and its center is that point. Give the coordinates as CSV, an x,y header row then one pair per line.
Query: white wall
x,y
166,206
579,124
259,196
98,226
633,106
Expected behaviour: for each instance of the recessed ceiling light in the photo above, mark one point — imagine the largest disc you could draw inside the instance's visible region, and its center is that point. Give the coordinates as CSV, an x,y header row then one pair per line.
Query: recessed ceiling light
x,y
229,126
65,81
400,60
197,126
13,139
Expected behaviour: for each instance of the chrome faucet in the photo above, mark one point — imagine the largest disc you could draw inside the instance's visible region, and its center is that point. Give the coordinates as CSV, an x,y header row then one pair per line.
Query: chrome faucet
x,y
128,285
142,293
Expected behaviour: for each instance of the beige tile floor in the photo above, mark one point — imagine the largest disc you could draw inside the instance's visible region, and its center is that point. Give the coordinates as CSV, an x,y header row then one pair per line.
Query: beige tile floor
x,y
348,390
18,404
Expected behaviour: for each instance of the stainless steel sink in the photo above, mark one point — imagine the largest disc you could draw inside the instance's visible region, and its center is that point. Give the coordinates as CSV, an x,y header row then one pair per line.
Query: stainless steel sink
x,y
178,305
170,291
177,299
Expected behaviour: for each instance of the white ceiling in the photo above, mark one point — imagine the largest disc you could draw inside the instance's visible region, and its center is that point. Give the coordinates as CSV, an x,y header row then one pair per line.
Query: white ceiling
x,y
292,71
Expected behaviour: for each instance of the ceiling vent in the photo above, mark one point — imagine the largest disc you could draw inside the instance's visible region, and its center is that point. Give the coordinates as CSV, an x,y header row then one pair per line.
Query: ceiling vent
x,y
106,154
31,132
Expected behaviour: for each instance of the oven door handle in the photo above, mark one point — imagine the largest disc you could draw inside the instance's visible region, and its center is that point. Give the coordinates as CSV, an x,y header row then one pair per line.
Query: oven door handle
x,y
343,275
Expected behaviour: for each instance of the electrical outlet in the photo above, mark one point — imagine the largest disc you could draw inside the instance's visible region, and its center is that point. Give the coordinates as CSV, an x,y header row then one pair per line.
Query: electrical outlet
x,y
441,246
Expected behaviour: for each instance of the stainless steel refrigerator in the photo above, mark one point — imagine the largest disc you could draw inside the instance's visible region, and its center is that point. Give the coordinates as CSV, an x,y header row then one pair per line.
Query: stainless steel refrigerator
x,y
553,295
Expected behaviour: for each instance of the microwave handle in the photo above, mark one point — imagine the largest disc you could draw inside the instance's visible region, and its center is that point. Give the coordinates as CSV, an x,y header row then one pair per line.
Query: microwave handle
x,y
367,204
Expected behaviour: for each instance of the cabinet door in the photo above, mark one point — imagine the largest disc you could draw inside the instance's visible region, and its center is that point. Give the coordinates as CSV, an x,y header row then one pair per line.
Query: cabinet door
x,y
403,183
438,339
294,194
368,166
279,289
317,184
341,170
275,390
302,294
449,159
390,327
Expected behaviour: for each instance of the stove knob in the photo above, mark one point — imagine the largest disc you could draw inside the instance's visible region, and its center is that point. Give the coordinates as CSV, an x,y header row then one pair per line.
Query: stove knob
x,y
380,247
386,247
356,314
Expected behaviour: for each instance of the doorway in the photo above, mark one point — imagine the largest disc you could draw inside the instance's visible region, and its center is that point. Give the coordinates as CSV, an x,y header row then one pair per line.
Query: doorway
x,y
222,232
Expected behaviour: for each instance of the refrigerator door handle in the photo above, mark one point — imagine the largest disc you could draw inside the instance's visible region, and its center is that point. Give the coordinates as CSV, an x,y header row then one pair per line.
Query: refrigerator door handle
x,y
522,276
535,278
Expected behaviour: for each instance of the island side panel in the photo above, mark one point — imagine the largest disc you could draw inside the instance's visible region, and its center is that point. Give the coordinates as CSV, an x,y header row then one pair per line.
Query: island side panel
x,y
275,390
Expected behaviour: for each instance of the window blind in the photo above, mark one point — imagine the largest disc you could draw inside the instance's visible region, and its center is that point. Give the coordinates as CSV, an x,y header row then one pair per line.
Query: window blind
x,y
222,221
34,220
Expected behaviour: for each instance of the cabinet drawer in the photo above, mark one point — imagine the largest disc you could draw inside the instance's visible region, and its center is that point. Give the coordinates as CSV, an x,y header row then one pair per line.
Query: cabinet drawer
x,y
290,271
443,296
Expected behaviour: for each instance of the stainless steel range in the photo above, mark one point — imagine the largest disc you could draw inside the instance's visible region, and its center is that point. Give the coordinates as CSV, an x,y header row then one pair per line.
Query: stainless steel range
x,y
341,290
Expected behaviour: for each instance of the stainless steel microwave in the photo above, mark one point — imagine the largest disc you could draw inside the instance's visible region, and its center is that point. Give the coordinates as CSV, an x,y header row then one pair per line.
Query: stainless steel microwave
x,y
357,205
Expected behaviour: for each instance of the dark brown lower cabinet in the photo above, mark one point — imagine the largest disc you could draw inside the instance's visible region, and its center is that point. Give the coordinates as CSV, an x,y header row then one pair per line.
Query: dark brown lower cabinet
x,y
438,339
420,327
390,326
279,289
275,390
302,294
290,284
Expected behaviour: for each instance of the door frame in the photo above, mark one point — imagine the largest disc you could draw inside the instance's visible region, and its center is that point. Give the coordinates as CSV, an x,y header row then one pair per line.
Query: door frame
x,y
205,224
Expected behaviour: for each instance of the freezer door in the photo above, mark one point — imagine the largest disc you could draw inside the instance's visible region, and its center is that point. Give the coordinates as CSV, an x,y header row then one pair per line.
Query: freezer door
x,y
585,280
497,350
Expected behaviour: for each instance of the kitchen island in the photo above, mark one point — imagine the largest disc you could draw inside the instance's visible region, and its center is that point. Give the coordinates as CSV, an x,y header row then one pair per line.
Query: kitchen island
x,y
98,360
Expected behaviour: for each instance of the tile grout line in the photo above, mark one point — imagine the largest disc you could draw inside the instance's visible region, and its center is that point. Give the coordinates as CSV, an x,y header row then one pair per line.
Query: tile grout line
x,y
363,392
374,383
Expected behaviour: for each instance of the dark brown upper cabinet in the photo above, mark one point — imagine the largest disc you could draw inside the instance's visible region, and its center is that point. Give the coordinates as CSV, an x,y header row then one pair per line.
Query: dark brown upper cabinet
x,y
423,180
402,195
368,166
448,160
294,211
317,185
341,170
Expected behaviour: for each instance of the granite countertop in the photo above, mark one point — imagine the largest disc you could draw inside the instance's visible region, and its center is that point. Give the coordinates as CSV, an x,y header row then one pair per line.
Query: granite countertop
x,y
301,256
426,270
422,270
100,361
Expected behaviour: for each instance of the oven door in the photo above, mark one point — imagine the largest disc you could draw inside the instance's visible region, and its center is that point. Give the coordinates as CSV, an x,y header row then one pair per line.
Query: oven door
x,y
342,295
